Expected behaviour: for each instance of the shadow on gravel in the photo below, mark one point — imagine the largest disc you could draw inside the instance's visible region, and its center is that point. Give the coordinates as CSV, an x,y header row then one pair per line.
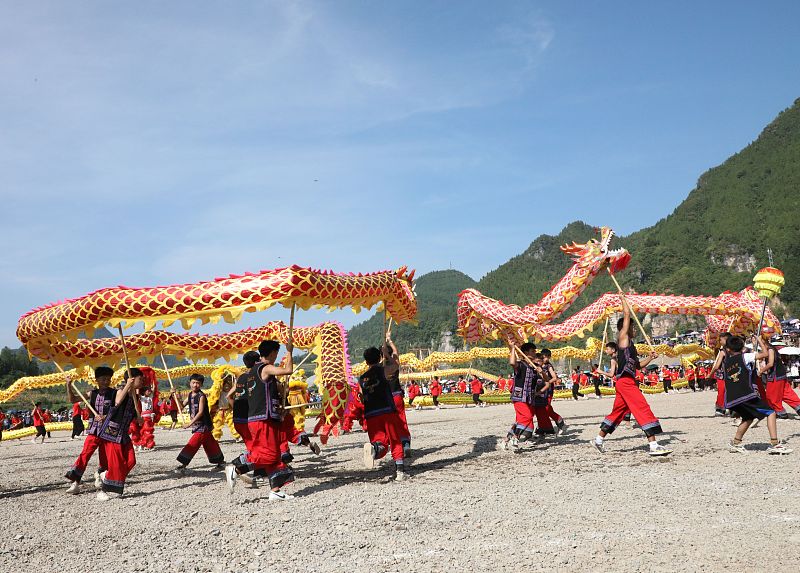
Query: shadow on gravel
x,y
336,479
14,493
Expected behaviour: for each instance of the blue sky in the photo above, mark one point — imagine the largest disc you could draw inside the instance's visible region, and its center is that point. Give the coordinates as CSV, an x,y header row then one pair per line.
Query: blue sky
x,y
147,143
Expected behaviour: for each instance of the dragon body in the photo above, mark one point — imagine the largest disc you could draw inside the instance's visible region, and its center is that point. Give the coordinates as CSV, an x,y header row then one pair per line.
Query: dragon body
x,y
483,318
210,301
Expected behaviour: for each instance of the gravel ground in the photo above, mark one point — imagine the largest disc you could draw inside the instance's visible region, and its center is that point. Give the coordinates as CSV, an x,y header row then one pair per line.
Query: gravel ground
x,y
468,506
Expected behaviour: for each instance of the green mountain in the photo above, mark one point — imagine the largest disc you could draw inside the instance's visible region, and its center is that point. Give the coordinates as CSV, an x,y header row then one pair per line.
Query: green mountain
x,y
712,242
715,239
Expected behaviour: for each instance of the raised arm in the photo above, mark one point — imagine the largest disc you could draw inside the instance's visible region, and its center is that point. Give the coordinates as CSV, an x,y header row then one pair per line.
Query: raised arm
x,y
124,392
648,360
232,392
70,392
622,338
769,360
718,361
273,370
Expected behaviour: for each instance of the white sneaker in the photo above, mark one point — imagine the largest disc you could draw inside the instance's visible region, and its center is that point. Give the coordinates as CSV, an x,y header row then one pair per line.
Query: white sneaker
x,y
98,480
601,447
74,488
659,450
736,448
515,442
780,449
505,444
230,476
369,457
106,496
400,476
563,428
279,496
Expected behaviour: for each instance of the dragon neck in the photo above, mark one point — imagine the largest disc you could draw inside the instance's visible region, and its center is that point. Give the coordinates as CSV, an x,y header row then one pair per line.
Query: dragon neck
x,y
562,294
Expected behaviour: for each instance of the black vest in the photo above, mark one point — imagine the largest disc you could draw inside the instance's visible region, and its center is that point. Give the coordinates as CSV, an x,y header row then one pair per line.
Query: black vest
x,y
102,401
116,426
263,398
376,393
240,405
778,370
627,361
204,424
525,381
738,381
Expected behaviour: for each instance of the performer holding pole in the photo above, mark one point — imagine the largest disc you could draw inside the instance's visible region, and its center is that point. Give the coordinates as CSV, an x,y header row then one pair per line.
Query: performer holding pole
x,y
100,401
629,396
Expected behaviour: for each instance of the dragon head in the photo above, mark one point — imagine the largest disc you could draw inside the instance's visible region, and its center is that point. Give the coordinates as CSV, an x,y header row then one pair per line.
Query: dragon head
x,y
594,253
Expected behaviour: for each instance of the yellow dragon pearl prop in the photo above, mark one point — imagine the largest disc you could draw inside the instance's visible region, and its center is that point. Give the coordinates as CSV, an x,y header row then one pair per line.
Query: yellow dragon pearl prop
x,y
768,282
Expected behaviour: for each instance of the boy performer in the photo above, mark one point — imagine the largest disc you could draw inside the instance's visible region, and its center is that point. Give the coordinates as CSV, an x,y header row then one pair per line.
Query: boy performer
x,y
263,436
391,371
115,441
541,400
742,398
525,380
238,395
384,426
102,399
716,369
201,425
778,389
550,373
629,396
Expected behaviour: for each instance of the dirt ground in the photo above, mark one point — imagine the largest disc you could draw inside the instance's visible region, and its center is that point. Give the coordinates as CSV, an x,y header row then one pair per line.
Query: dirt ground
x,y
468,506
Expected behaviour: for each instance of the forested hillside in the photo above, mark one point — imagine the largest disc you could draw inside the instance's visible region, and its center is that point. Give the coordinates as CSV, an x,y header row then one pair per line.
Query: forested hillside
x,y
712,242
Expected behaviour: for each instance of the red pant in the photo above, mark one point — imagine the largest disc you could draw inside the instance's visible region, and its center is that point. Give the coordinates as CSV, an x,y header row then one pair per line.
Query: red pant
x,y
543,420
243,430
289,433
778,392
146,437
90,444
387,431
209,444
524,419
552,414
405,433
263,442
121,460
720,404
629,397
